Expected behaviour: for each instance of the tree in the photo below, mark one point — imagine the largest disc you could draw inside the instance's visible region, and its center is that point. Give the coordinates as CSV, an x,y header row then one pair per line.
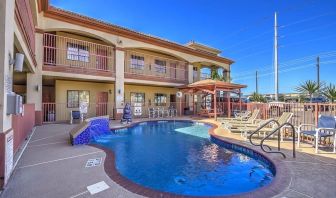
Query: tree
x,y
255,97
309,87
216,76
330,92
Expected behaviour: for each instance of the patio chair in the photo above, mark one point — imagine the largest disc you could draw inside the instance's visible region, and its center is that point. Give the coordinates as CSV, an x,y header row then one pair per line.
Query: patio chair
x,y
244,130
152,112
172,111
326,127
162,112
75,115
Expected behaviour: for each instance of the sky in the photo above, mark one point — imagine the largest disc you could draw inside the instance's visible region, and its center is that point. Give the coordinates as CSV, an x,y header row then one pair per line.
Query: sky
x,y
242,29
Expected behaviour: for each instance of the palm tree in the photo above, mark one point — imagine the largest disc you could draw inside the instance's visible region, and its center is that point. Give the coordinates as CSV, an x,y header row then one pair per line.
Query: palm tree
x,y
309,87
255,97
216,76
330,92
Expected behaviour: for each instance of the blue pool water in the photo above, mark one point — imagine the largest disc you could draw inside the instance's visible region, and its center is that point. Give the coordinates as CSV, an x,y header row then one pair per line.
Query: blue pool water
x,y
178,157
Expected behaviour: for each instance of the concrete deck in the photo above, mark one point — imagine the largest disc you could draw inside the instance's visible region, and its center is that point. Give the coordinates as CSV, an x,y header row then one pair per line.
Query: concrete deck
x,y
51,167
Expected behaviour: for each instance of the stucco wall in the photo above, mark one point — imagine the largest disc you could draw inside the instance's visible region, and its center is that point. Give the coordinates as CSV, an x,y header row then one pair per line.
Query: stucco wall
x,y
149,92
62,86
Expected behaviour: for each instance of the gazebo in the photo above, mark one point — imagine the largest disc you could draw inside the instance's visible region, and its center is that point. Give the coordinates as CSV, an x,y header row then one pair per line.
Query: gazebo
x,y
210,86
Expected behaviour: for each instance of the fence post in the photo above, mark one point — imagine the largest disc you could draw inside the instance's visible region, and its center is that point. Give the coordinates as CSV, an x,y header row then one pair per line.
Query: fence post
x,y
316,113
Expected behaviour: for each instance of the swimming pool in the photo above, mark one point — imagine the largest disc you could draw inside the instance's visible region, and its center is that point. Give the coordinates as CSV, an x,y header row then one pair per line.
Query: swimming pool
x,y
179,157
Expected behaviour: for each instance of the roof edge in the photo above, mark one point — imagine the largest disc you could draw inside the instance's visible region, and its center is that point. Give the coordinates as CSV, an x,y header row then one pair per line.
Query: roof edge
x,y
81,20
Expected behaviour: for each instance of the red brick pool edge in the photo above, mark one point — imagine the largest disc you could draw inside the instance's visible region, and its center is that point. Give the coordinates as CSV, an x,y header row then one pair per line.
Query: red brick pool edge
x,y
280,182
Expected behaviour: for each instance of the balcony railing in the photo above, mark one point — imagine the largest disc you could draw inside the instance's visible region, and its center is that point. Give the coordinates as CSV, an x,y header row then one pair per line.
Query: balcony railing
x,y
64,54
59,112
24,17
150,67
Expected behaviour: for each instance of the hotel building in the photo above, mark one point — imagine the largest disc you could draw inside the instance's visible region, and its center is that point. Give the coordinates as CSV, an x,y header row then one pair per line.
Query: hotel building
x,y
70,58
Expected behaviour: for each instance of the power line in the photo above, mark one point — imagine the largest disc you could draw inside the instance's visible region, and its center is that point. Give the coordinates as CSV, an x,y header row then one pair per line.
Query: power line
x,y
292,62
308,41
307,19
286,70
308,29
266,18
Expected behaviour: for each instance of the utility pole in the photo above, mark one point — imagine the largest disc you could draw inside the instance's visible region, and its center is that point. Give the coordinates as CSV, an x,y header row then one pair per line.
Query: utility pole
x,y
318,74
276,75
257,82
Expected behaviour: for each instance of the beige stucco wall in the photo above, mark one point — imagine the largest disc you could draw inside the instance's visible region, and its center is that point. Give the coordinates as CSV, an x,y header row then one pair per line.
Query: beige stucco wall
x,y
55,25
62,86
149,92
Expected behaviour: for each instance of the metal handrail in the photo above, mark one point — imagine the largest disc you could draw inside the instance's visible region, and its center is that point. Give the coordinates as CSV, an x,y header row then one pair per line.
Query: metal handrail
x,y
259,128
278,130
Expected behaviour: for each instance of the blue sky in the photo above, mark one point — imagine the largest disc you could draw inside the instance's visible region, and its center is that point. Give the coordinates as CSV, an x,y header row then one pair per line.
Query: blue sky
x,y
242,29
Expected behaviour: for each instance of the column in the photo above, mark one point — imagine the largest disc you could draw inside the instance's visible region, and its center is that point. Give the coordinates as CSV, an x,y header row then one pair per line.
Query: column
x,y
190,80
119,82
6,85
34,81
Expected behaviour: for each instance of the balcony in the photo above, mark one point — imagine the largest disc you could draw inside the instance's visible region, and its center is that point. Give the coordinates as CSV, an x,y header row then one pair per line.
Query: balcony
x,y
69,55
155,68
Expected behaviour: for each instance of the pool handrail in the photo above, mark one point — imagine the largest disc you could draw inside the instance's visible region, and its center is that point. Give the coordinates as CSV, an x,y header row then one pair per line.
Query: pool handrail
x,y
261,127
278,129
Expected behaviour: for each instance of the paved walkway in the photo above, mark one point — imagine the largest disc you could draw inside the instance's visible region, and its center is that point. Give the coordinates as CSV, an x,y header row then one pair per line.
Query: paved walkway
x,y
51,167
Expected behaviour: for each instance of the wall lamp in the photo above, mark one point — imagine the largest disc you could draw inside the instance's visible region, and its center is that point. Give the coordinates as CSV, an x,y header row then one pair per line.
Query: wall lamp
x,y
17,62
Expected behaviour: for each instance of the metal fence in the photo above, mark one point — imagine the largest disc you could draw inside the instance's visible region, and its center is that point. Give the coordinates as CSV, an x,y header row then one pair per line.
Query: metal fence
x,y
307,113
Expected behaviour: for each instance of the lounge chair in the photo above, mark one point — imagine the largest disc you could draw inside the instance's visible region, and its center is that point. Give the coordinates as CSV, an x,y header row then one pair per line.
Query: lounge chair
x,y
229,123
244,130
326,127
243,116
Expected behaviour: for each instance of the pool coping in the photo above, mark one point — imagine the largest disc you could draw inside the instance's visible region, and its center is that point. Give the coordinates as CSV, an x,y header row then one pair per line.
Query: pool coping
x,y
279,183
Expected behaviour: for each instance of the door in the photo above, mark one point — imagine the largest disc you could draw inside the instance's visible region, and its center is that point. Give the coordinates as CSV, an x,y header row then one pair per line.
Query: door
x,y
101,106
102,59
172,100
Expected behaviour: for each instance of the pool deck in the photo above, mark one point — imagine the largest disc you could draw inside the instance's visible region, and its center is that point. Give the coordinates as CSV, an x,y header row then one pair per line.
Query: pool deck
x,y
51,167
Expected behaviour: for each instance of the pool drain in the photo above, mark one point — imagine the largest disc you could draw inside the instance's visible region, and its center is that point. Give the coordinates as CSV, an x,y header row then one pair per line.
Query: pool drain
x,y
180,180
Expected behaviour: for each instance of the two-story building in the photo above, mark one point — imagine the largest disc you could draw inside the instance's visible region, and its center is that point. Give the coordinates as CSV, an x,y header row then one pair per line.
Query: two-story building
x,y
70,58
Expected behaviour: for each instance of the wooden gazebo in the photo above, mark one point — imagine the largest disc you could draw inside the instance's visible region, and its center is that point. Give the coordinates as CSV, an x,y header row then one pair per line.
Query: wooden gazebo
x,y
210,86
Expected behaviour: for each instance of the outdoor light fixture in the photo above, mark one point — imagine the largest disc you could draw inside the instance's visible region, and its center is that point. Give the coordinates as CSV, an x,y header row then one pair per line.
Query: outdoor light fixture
x,y
17,62
37,88
119,91
110,91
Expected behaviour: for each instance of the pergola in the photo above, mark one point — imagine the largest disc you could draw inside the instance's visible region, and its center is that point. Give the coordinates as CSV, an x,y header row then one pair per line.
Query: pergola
x,y
210,86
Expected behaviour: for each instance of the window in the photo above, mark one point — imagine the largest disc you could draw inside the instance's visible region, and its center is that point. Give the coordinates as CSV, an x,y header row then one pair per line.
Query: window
x,y
160,99
77,52
137,62
75,97
137,97
160,66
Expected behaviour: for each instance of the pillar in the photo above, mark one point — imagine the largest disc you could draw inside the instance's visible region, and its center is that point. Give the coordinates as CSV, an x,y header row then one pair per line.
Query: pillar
x,y
190,80
6,85
119,82
34,81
